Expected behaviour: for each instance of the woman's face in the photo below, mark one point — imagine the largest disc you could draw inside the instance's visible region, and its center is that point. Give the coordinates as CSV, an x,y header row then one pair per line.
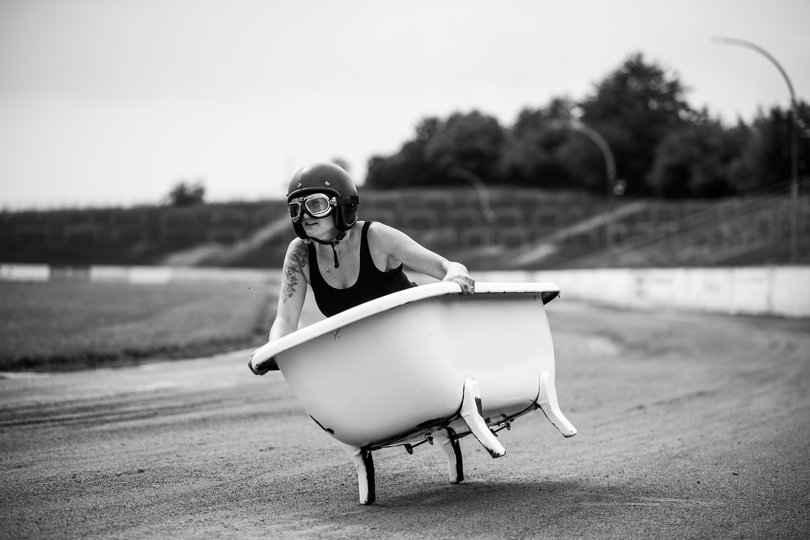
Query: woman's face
x,y
308,212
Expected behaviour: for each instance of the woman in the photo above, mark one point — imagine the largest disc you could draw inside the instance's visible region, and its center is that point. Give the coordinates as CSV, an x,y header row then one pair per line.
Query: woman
x,y
346,262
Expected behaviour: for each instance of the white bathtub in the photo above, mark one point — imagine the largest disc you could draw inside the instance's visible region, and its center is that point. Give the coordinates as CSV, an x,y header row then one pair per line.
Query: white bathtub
x,y
422,364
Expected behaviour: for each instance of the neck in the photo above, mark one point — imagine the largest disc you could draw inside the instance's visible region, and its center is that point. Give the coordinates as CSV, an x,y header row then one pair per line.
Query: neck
x,y
340,236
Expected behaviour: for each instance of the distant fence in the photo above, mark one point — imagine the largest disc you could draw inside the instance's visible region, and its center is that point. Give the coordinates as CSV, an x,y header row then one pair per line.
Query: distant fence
x,y
498,231
445,220
773,290
127,236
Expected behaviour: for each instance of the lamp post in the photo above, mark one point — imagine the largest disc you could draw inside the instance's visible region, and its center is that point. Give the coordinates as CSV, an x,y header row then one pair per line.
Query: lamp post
x,y
610,162
480,189
794,145
614,186
575,124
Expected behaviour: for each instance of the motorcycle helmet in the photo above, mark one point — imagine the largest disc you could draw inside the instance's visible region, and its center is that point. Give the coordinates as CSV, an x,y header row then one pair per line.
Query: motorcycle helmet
x,y
332,180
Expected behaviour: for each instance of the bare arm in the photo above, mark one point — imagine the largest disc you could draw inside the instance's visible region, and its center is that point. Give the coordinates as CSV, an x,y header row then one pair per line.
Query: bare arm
x,y
290,300
398,247
293,291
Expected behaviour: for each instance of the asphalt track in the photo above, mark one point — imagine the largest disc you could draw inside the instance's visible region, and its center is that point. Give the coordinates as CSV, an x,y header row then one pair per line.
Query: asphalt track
x,y
690,426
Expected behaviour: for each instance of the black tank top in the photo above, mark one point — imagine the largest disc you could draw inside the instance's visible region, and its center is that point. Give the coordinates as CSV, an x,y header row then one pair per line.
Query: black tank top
x,y
371,282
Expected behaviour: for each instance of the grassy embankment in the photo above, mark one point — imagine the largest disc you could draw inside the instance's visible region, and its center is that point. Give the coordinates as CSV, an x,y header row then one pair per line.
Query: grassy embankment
x,y
68,325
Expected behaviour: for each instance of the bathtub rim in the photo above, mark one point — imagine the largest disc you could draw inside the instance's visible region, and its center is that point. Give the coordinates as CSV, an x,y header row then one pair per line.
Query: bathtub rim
x,y
548,291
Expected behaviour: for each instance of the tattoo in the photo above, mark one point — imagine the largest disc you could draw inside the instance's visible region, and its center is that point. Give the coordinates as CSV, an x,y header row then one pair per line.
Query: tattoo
x,y
297,258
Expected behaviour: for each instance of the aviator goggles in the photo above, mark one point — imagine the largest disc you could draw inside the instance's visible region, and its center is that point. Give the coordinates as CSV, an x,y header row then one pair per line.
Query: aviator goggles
x,y
317,205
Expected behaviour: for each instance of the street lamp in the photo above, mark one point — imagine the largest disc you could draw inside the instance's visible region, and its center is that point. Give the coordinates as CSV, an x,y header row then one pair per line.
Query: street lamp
x,y
573,123
794,145
481,190
610,162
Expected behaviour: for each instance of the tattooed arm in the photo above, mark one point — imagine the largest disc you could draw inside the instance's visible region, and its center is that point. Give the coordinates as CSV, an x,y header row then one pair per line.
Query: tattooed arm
x,y
293,290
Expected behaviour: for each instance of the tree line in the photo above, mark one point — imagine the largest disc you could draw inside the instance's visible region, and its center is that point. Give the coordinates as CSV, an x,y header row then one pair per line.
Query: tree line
x,y
635,133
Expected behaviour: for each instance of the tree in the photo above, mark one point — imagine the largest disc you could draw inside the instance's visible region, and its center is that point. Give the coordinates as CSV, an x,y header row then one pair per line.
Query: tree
x,y
187,194
765,155
695,161
662,147
769,147
533,151
342,163
408,167
634,108
471,141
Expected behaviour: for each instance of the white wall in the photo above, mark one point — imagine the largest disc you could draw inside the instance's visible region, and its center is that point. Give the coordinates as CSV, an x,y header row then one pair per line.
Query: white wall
x,y
761,290
765,290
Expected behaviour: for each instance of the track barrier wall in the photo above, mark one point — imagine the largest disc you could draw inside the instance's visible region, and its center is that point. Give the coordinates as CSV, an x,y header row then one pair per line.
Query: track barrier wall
x,y
767,290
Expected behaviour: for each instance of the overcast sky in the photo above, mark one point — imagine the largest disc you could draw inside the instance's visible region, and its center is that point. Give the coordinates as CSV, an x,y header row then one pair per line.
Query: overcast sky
x,y
112,102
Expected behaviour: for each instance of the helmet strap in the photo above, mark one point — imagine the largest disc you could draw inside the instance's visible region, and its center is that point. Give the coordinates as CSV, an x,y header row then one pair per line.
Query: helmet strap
x,y
332,244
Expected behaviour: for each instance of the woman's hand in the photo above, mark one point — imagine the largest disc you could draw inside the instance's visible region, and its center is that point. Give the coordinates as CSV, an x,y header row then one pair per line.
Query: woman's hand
x,y
268,365
458,273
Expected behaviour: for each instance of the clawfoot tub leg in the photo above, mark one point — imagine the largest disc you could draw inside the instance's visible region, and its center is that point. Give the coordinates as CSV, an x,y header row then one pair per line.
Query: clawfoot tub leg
x,y
365,473
547,401
471,414
452,448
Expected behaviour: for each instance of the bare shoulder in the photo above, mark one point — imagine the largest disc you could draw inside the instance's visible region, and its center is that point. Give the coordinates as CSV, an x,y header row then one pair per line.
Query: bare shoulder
x,y
384,235
389,246
297,255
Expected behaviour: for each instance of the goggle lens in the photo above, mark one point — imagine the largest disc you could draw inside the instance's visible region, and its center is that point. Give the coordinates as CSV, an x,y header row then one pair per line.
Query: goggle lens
x,y
295,210
317,205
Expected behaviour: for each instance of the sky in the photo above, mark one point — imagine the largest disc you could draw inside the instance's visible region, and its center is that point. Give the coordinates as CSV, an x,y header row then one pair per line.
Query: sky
x,y
114,102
